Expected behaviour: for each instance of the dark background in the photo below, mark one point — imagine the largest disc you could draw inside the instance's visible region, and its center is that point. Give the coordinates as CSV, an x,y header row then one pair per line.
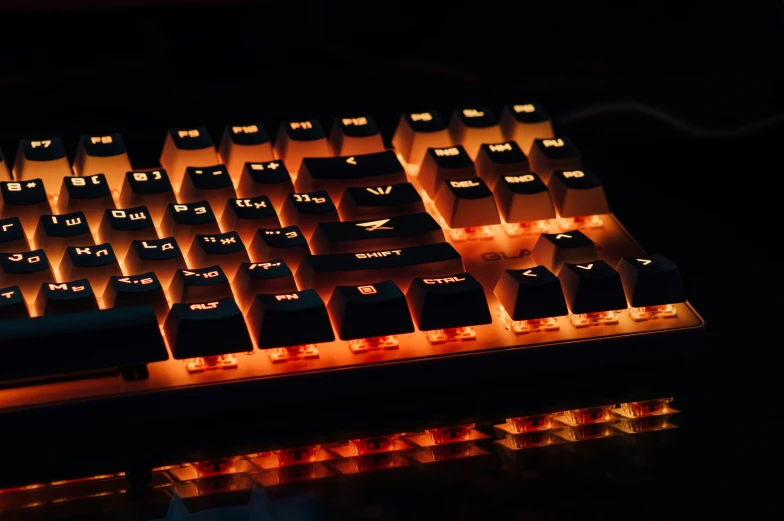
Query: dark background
x,y
708,201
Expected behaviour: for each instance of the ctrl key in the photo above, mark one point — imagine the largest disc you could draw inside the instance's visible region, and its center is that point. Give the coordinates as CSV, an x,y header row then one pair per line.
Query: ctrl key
x,y
206,329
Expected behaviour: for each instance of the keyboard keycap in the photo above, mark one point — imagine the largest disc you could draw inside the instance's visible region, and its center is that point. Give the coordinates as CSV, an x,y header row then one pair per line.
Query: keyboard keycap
x,y
306,210
358,135
206,329
65,297
150,188
299,139
498,159
289,319
554,249
5,175
120,227
391,232
12,236
270,179
56,232
224,249
80,342
286,243
467,203
248,214
163,257
473,126
651,280
591,287
42,159
186,147
26,200
523,198
211,184
577,193
371,310
549,155
401,265
525,122
380,201
28,270
254,278
242,144
531,293
185,221
444,164
137,290
418,131
90,195
199,285
12,304
456,300
102,155
96,263
334,174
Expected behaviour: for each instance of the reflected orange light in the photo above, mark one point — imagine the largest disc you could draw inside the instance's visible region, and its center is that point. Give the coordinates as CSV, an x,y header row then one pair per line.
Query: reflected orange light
x,y
454,334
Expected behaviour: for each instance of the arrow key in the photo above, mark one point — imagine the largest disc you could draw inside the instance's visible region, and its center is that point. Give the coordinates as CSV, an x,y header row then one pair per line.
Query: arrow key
x,y
554,249
529,294
593,292
652,285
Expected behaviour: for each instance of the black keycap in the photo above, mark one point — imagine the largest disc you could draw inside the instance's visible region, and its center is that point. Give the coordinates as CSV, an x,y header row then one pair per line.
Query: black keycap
x,y
96,263
289,319
370,310
206,329
524,122
199,285
90,195
523,198
212,184
253,278
162,256
186,147
65,297
334,174
42,159
12,304
299,139
26,200
137,290
224,249
12,236
56,232
577,193
306,210
102,155
271,179
447,302
243,143
247,214
467,203
355,135
497,159
95,340
28,270
184,221
324,272
390,232
287,243
443,164
651,280
472,126
120,227
151,188
554,249
380,201
591,287
191,139
531,293
548,155
418,131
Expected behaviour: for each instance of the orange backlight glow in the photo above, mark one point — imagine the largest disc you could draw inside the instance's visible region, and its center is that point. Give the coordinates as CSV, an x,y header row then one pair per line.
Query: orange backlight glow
x,y
521,327
527,228
653,312
363,345
601,318
285,354
576,223
211,363
454,334
473,233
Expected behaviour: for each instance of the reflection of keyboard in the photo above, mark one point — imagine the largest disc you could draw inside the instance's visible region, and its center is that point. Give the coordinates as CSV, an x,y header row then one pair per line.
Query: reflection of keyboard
x,y
325,251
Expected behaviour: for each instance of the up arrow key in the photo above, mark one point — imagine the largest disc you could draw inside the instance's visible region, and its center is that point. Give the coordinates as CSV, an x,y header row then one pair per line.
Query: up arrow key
x,y
351,161
529,273
563,236
645,262
585,267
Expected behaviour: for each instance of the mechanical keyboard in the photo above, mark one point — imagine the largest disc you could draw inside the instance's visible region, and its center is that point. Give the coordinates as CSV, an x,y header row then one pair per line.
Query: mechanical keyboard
x,y
330,257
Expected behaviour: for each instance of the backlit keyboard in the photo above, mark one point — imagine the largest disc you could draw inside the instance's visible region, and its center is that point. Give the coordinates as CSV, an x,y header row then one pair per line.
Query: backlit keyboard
x,y
238,261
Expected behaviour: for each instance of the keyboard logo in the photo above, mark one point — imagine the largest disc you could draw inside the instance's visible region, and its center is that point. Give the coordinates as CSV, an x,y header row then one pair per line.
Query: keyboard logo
x,y
376,225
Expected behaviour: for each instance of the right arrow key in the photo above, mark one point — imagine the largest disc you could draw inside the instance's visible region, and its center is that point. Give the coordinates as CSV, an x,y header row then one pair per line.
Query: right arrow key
x,y
652,284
